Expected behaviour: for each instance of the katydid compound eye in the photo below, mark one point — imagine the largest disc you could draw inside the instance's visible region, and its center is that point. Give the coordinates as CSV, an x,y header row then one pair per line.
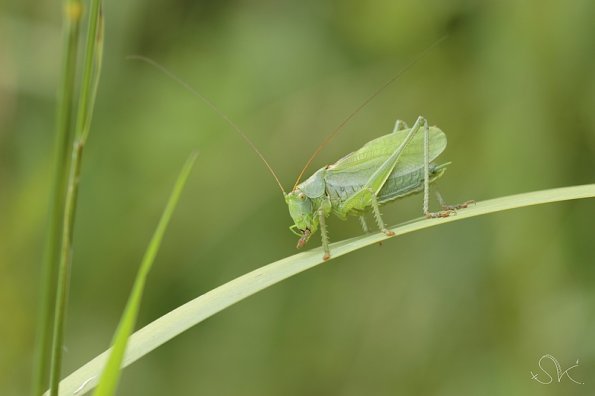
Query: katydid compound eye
x,y
302,196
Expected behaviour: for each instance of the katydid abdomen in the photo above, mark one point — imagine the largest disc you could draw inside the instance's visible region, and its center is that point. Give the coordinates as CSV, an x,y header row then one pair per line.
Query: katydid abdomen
x,y
398,185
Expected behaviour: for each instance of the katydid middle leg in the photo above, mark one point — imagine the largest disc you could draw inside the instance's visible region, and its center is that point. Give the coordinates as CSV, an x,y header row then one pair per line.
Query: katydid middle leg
x,y
362,221
378,217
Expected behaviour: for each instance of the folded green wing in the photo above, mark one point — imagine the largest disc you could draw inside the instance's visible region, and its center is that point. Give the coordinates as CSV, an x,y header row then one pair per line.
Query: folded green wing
x,y
357,167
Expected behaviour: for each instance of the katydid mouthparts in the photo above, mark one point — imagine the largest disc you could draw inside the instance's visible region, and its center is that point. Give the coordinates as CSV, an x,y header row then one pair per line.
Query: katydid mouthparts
x,y
385,169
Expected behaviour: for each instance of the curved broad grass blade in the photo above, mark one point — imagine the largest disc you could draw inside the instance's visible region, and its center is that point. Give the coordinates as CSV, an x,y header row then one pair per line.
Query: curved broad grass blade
x,y
111,373
193,312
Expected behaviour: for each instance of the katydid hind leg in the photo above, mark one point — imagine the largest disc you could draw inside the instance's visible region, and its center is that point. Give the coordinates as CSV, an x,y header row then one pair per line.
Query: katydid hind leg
x,y
446,206
426,167
447,210
426,205
400,124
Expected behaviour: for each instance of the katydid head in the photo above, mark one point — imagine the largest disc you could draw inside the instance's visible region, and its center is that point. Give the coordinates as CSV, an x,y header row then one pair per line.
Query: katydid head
x,y
301,210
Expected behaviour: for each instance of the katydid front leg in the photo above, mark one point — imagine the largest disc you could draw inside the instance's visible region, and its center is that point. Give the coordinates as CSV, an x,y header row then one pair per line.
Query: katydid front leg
x,y
324,234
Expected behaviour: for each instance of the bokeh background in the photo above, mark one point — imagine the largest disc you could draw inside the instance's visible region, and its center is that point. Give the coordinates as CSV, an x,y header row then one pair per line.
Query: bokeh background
x,y
464,308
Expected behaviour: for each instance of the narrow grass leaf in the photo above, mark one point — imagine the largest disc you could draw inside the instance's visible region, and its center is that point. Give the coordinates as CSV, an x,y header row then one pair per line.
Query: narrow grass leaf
x,y
111,373
193,312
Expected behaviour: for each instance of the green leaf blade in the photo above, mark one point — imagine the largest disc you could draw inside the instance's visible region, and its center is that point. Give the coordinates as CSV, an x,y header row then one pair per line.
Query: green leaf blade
x,y
111,373
184,317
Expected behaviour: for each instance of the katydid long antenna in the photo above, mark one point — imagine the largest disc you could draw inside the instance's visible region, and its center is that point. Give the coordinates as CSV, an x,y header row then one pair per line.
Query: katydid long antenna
x,y
228,120
340,127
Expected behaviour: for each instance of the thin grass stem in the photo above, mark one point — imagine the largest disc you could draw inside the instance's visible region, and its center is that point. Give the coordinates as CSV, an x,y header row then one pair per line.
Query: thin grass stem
x,y
91,67
49,269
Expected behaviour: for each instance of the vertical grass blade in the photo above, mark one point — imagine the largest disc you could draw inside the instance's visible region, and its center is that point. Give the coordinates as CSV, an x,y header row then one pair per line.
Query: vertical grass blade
x,y
49,270
111,372
91,67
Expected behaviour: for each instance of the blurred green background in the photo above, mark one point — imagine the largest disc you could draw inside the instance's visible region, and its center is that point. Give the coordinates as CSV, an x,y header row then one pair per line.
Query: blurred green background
x,y
464,308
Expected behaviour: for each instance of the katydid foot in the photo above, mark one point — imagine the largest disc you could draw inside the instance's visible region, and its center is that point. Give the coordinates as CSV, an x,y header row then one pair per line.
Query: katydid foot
x,y
447,210
459,206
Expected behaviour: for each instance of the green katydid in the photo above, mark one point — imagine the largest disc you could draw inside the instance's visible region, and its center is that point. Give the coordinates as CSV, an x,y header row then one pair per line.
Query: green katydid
x,y
384,169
